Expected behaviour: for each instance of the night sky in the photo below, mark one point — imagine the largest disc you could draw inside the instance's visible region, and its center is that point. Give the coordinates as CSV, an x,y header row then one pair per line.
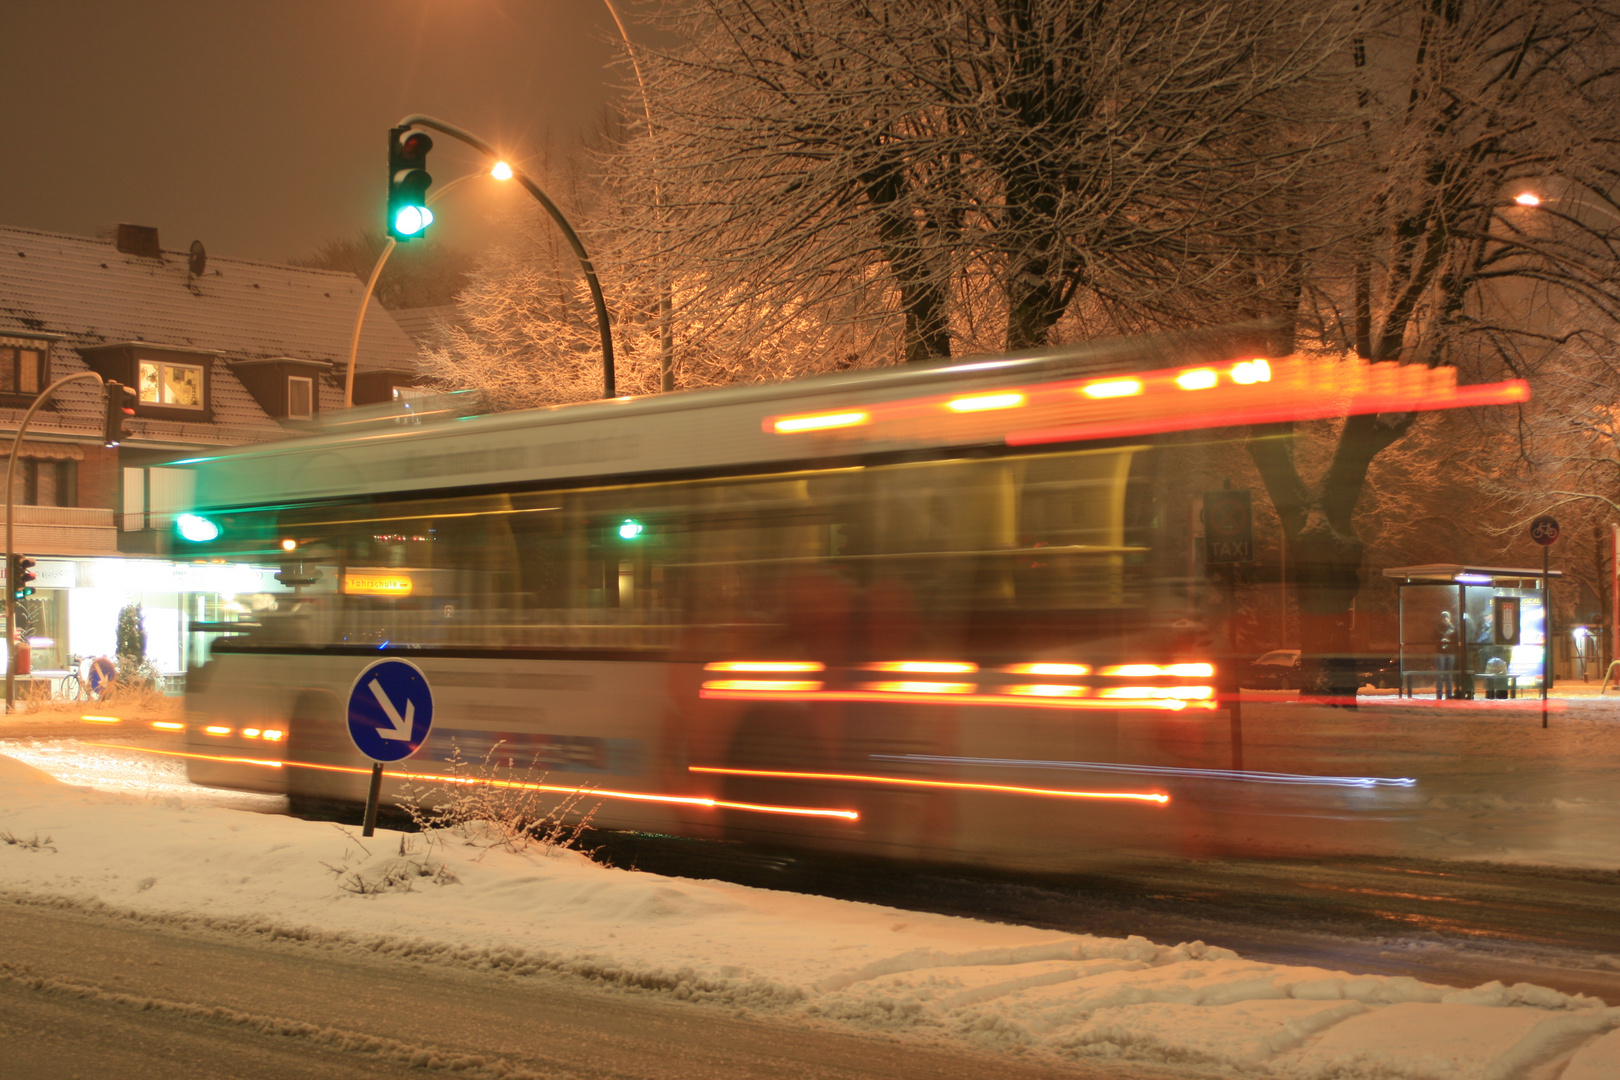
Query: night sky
x,y
260,128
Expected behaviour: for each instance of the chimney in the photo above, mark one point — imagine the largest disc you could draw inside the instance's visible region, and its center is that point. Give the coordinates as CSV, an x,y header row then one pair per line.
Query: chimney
x,y
140,240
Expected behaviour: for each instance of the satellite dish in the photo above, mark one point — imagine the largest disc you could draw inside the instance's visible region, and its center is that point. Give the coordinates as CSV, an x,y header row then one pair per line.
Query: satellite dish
x,y
199,258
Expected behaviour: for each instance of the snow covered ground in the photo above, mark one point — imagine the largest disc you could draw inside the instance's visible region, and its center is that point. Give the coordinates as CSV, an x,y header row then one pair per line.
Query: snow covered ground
x,y
944,980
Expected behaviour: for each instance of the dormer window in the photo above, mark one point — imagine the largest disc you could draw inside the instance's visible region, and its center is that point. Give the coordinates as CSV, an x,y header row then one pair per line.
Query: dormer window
x,y
177,386
24,366
300,397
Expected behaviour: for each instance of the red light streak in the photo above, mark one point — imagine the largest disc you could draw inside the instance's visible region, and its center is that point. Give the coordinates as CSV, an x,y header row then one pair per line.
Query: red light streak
x,y
766,665
703,801
955,785
760,684
924,667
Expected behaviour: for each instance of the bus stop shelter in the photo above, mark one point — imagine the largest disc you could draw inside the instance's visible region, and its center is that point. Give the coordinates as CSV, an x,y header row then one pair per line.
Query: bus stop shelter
x,y
1471,631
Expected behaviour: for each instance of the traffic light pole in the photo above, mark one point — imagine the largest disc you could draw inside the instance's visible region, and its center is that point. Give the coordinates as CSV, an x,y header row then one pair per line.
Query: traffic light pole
x,y
572,237
11,586
371,287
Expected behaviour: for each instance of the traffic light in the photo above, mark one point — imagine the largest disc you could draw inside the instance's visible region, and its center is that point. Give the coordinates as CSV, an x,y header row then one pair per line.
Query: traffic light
x,y
21,576
408,180
120,405
630,529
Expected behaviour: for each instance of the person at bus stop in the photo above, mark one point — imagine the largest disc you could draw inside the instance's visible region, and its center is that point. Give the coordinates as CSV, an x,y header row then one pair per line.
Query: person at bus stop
x,y
1445,658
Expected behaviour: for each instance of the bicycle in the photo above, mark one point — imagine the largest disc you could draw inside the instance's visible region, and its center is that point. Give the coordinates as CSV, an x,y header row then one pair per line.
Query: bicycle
x,y
72,682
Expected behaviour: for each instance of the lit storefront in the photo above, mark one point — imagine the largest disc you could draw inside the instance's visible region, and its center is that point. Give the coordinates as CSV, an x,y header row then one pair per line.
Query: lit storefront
x,y
76,604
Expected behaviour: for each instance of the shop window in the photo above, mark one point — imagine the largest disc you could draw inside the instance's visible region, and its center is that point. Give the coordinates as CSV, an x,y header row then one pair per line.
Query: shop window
x,y
300,397
23,368
177,386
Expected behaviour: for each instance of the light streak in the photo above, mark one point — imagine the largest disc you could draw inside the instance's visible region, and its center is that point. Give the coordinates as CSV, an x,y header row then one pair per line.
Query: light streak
x,y
1150,671
1249,372
1132,671
765,665
1157,770
1048,690
102,719
924,667
216,729
1180,693
922,687
1048,669
1112,388
250,733
790,425
1167,704
955,785
985,402
168,725
1198,379
701,801
783,685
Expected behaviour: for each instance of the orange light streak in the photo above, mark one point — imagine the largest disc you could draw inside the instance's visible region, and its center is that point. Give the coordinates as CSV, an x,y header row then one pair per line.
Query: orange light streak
x,y
188,754
924,667
215,729
1133,671
704,801
168,725
250,733
1198,379
1112,388
985,402
960,699
922,687
765,665
1191,671
1249,372
273,735
1049,690
791,425
102,719
955,785
1179,693
761,684
1048,669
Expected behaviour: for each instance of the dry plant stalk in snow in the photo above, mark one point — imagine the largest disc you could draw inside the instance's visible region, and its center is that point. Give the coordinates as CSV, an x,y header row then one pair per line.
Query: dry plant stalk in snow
x,y
491,804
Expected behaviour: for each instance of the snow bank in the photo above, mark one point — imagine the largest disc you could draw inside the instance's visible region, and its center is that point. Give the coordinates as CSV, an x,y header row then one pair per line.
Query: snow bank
x,y
946,980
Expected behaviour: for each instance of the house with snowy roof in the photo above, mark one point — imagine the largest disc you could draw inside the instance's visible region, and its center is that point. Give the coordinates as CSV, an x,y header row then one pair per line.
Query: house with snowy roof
x,y
220,351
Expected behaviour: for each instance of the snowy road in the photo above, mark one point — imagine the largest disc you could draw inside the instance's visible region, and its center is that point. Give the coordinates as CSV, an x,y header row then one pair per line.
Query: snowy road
x,y
88,994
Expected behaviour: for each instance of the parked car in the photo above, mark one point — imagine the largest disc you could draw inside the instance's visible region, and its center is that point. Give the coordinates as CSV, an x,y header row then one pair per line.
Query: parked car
x,y
1278,669
1383,673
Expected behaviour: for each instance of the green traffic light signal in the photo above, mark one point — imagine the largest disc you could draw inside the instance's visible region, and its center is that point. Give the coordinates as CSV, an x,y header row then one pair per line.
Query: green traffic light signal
x,y
630,529
408,181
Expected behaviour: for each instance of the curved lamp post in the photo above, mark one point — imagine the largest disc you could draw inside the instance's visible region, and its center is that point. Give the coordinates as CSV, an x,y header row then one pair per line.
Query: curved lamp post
x,y
382,261
602,323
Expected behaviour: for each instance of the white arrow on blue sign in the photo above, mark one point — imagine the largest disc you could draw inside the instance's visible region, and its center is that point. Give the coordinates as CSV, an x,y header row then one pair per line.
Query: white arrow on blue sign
x,y
390,710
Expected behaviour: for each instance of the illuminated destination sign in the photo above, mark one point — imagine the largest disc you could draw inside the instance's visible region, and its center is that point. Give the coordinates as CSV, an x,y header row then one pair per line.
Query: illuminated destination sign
x,y
376,583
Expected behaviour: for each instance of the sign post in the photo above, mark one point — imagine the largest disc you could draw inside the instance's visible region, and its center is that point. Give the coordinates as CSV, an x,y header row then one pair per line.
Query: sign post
x,y
1229,539
390,715
1544,531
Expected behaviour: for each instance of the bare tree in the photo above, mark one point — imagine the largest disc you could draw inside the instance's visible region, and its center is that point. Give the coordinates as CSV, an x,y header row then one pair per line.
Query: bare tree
x,y
1462,104
921,157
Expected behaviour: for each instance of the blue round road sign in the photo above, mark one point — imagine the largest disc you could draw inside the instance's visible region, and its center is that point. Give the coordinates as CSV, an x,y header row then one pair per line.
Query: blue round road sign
x,y
390,710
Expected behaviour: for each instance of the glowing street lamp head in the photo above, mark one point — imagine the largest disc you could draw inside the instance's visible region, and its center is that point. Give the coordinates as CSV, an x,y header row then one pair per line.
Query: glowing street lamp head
x,y
501,171
1527,198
